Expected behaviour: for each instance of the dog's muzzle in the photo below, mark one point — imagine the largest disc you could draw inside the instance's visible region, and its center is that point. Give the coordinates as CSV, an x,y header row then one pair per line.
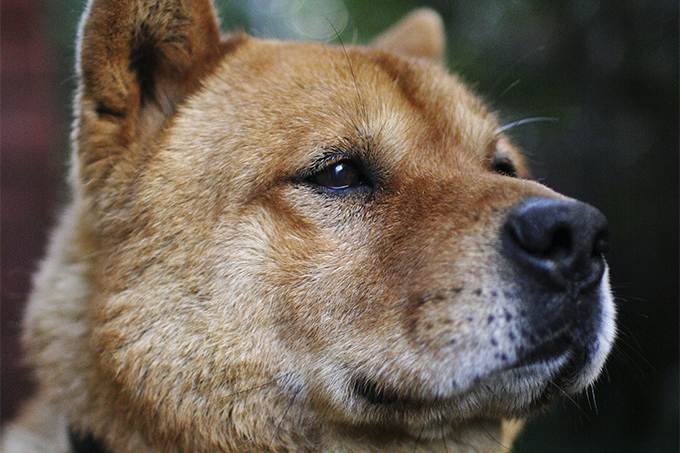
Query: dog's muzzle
x,y
556,249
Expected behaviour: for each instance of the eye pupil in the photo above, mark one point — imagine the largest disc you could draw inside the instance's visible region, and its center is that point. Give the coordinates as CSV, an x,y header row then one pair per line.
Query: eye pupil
x,y
503,166
338,176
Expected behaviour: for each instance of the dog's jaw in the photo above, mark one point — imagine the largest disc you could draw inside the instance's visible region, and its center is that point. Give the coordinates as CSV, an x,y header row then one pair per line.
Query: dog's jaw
x,y
464,387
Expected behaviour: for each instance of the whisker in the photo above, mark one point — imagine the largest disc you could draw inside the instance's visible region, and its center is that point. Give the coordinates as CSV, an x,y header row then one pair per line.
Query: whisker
x,y
571,399
592,393
492,437
510,87
446,447
283,417
499,399
514,65
524,121
257,387
354,77
628,359
415,446
628,350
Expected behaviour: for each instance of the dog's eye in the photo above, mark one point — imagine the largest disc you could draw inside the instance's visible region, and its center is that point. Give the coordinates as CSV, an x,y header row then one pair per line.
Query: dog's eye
x,y
338,176
503,166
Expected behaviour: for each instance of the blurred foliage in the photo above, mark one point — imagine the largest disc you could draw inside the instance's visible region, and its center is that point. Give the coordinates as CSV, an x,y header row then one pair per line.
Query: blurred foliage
x,y
607,71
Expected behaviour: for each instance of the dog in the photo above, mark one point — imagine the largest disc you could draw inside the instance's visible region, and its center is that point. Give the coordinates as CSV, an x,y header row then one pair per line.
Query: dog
x,y
283,246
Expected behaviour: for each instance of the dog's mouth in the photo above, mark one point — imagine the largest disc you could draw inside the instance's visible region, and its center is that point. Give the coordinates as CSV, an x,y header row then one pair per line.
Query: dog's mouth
x,y
547,351
381,395
552,360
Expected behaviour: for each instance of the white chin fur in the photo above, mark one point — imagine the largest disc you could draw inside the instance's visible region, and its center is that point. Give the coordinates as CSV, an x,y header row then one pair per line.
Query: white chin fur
x,y
605,338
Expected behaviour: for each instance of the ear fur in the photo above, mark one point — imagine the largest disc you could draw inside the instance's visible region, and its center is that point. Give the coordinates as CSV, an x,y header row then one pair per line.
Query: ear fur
x,y
137,60
420,34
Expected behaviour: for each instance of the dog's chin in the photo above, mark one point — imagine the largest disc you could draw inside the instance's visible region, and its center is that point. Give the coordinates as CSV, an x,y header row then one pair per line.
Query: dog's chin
x,y
560,366
515,392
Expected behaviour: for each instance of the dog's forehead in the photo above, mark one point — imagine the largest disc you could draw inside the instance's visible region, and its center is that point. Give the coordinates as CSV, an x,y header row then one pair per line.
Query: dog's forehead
x,y
305,99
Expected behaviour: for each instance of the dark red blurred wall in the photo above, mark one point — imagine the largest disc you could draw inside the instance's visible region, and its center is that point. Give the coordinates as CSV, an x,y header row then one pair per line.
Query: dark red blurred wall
x,y
28,155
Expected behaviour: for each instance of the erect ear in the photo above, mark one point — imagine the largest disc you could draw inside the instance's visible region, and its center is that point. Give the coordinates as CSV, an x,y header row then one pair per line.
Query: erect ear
x,y
420,34
137,60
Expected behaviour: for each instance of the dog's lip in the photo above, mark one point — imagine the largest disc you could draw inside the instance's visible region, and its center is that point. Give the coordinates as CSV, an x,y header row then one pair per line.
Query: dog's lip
x,y
382,395
384,398
552,356
377,394
547,351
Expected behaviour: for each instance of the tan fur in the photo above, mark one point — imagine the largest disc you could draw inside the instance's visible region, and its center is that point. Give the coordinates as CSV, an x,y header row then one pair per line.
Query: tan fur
x,y
200,296
420,35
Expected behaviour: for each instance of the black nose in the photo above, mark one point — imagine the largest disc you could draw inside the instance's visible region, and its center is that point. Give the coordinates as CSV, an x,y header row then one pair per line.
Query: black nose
x,y
558,240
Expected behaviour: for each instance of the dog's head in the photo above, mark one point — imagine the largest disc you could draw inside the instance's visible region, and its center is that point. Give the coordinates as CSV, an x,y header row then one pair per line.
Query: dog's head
x,y
285,240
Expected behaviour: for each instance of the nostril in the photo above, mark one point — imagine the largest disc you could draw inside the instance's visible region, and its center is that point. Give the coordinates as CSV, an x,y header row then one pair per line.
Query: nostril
x,y
560,244
561,239
539,240
542,235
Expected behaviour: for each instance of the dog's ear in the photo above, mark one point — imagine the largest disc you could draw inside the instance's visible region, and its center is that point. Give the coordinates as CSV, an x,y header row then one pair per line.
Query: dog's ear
x,y
137,59
420,34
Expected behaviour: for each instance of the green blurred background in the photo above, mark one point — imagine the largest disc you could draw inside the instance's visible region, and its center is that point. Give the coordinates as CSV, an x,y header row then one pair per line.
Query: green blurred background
x,y
606,71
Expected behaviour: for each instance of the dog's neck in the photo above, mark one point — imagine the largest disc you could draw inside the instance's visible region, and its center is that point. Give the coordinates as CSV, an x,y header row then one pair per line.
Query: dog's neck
x,y
471,437
86,442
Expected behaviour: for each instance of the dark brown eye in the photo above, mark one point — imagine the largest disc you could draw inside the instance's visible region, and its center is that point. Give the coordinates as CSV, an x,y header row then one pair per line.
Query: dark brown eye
x,y
338,176
503,166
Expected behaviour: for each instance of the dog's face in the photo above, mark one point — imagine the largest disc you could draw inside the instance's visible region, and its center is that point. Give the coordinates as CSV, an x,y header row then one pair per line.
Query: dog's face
x,y
336,233
339,211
